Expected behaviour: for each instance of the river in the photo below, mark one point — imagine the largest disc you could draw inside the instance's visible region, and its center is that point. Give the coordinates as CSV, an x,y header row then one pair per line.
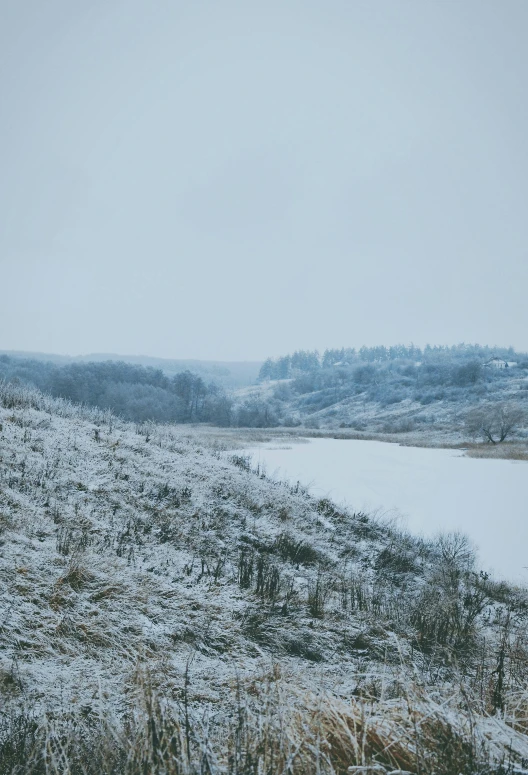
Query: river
x,y
429,490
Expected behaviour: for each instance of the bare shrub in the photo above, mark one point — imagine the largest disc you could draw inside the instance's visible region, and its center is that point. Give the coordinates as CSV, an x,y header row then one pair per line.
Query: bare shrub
x,y
318,593
495,422
446,611
257,567
246,566
296,552
241,461
268,580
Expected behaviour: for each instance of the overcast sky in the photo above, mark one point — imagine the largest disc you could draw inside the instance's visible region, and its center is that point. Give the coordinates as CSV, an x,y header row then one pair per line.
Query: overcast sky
x,y
232,180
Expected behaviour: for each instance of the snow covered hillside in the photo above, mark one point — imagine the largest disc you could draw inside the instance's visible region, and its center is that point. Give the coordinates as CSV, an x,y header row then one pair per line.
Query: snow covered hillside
x,y
166,608
438,395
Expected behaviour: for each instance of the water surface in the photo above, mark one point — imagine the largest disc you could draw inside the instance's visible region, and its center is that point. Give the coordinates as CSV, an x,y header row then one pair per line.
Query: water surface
x,y
429,489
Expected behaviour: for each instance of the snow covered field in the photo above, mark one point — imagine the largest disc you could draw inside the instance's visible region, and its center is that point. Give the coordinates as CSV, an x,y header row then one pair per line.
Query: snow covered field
x,y
431,489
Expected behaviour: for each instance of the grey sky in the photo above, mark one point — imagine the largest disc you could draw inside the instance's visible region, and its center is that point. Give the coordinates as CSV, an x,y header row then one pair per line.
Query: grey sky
x,y
234,180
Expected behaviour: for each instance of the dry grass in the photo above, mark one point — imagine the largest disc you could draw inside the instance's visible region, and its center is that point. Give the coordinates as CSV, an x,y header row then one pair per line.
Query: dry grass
x,y
76,576
504,451
274,727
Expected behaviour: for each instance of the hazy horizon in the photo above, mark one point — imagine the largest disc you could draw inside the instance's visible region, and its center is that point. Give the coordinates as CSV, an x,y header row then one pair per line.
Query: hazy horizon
x,y
238,181
154,357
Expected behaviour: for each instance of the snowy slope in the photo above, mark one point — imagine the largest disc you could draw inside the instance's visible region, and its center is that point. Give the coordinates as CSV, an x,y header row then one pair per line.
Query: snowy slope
x,y
128,547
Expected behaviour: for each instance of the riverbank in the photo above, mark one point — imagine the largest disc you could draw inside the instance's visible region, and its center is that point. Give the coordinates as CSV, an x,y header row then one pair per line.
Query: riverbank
x,y
236,438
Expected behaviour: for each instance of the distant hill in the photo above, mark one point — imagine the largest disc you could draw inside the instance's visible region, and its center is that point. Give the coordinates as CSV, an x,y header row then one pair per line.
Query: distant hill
x,y
398,389
228,374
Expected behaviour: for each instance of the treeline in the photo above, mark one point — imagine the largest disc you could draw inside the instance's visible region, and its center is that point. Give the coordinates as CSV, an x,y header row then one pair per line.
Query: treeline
x,y
335,388
305,361
136,393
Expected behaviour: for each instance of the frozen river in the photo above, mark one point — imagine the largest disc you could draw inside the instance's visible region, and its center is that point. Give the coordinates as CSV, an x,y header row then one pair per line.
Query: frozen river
x,y
429,489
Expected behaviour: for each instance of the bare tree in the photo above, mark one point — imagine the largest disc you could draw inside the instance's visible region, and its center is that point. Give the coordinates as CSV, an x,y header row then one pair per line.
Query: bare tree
x,y
495,422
